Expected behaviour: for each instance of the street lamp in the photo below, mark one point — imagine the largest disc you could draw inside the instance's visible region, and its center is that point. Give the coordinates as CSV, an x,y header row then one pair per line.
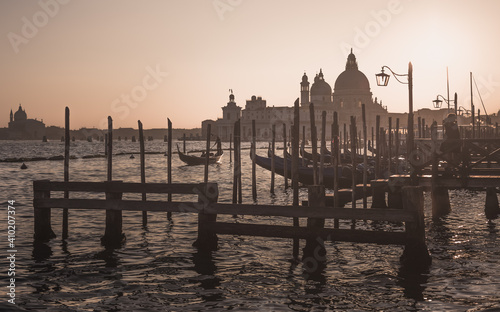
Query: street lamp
x,y
383,80
462,111
437,102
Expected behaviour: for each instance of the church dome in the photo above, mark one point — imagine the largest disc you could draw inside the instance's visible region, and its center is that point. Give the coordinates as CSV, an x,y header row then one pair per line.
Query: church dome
x,y
352,78
20,115
320,86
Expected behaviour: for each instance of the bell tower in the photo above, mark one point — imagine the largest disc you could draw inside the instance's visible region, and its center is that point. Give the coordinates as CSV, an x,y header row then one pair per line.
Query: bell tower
x,y
304,91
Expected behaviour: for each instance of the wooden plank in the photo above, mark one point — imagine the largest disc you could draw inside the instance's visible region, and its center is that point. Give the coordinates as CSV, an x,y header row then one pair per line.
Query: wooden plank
x,y
161,188
393,215
130,205
472,182
357,236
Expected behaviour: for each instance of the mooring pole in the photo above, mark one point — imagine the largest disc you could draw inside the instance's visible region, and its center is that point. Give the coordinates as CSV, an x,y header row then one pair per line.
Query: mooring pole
x,y
314,143
389,147
253,152
41,216
336,163
303,145
285,157
439,195
169,162
295,169
315,245
365,158
110,148
416,254
236,168
66,171
377,148
323,148
230,148
396,152
184,143
143,170
207,153
113,234
273,142
353,161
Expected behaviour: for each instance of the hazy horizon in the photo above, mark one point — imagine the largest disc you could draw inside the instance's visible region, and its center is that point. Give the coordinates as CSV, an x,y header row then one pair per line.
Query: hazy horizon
x,y
151,60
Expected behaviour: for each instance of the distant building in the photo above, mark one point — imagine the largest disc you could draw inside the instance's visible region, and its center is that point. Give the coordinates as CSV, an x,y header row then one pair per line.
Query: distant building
x,y
20,127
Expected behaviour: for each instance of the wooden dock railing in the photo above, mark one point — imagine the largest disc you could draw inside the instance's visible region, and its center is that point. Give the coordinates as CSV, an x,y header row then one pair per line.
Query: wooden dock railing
x,y
208,208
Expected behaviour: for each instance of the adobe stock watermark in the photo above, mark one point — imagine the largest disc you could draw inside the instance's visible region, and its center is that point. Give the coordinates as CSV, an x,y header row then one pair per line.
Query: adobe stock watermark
x,y
31,27
131,100
380,19
224,6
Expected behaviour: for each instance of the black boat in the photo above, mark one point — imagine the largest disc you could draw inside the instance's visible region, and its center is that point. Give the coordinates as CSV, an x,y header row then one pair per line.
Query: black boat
x,y
306,173
200,160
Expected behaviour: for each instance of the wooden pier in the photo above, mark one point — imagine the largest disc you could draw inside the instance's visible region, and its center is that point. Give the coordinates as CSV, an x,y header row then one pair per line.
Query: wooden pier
x,y
207,208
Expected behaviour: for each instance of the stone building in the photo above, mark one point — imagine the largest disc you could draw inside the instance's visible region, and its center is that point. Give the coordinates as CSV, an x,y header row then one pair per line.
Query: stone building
x,y
20,127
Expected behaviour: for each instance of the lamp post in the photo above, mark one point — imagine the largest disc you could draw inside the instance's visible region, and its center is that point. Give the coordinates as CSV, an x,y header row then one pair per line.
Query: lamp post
x,y
437,102
383,80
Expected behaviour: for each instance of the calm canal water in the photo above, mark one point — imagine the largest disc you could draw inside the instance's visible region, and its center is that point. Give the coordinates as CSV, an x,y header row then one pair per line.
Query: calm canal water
x,y
157,269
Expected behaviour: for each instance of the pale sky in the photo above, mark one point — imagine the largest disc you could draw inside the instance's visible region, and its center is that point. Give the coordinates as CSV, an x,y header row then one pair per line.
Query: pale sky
x,y
178,59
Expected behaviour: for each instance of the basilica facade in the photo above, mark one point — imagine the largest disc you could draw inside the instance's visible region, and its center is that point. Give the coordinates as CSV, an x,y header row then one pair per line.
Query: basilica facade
x,y
351,90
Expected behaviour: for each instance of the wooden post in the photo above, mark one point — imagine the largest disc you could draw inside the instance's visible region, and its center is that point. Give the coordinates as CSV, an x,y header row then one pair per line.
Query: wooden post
x,y
377,148
396,152
336,163
303,145
113,236
143,170
184,143
491,209
237,170
419,120
389,148
207,153
207,240
323,148
106,144
345,140
424,135
254,177
353,161
365,158
273,143
315,246
439,195
42,216
285,160
110,148
416,254
295,169
314,143
230,148
169,161
66,172
478,123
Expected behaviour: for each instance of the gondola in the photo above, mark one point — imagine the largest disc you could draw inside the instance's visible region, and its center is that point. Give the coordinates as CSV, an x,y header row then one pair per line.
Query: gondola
x,y
306,173
200,160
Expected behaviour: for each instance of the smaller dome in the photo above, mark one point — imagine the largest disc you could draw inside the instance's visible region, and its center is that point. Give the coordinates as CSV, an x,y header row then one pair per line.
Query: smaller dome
x,y
320,86
20,115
